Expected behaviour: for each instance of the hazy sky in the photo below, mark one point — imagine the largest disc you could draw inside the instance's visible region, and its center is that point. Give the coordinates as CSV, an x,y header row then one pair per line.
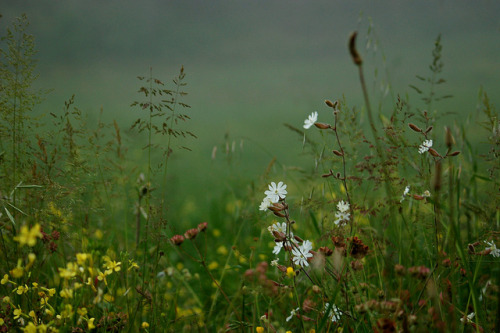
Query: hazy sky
x,y
253,65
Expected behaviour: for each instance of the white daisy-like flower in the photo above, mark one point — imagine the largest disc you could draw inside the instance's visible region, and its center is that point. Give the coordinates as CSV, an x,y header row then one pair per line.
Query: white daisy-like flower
x,y
468,319
276,192
307,246
279,227
300,255
494,251
265,203
313,117
292,314
343,206
275,262
405,193
334,313
277,248
425,146
341,218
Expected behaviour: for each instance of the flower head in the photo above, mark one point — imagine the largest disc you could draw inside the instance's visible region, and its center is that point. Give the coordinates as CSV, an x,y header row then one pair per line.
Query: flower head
x,y
292,314
468,319
301,254
334,313
28,236
343,206
405,193
425,146
276,192
265,203
313,117
493,248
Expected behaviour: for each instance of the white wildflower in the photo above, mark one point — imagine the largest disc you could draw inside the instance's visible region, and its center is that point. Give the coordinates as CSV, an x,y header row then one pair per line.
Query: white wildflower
x,y
265,203
334,313
494,251
468,319
292,314
313,117
276,192
425,146
301,254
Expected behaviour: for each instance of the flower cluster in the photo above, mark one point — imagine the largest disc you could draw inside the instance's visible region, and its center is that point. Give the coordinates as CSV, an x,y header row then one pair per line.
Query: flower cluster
x,y
313,117
342,214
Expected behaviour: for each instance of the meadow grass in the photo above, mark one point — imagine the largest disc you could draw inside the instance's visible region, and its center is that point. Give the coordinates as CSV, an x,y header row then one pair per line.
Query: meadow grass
x,y
392,228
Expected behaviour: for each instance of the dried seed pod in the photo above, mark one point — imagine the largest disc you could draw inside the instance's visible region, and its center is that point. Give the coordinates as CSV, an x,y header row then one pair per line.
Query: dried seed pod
x,y
415,127
433,152
455,153
418,197
322,125
352,49
330,103
338,153
428,129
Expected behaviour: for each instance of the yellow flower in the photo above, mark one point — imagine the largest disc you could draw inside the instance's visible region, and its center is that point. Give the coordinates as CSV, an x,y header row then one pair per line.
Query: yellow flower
x,y
28,236
6,299
132,264
5,279
145,325
213,265
35,285
66,293
17,313
82,311
81,258
109,298
22,289
112,266
259,329
91,323
52,292
290,272
1,321
32,314
30,328
68,272
17,272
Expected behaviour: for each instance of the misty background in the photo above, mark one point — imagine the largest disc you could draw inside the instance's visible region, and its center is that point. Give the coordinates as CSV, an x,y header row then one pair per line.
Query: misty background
x,y
253,65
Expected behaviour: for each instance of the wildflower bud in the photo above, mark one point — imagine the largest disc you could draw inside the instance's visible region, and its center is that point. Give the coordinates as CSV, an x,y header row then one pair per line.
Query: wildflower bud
x,y
352,49
428,129
292,222
399,269
191,233
455,153
326,251
415,127
450,141
298,239
203,226
177,240
331,104
433,152
338,153
277,213
322,125
282,268
276,207
418,197
279,236
338,175
471,248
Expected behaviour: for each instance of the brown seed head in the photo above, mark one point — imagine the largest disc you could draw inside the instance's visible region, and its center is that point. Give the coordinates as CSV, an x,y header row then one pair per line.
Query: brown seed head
x,y
177,240
191,233
415,127
326,251
352,49
202,226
